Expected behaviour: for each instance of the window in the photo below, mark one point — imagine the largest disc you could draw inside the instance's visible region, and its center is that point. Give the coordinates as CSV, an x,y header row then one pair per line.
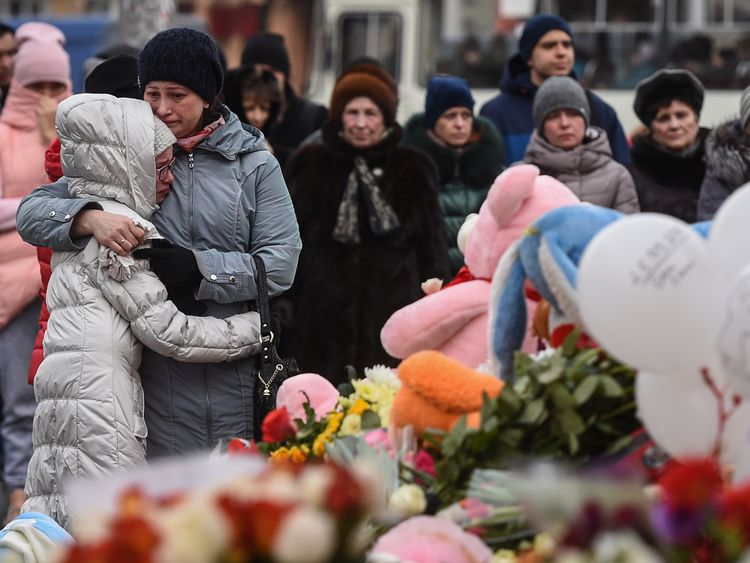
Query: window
x,y
376,35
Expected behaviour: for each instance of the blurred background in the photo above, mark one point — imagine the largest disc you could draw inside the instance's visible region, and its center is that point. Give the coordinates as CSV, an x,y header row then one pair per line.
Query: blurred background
x,y
618,42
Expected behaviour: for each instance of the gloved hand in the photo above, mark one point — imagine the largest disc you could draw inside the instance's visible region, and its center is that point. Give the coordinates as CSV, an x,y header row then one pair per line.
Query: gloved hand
x,y
174,265
185,301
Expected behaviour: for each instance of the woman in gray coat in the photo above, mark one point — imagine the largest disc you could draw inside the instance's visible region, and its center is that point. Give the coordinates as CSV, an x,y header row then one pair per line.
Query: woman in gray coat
x,y
565,147
89,415
228,201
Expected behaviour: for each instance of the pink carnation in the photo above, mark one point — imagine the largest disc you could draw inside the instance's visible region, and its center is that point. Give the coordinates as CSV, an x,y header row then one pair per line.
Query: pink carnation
x,y
424,539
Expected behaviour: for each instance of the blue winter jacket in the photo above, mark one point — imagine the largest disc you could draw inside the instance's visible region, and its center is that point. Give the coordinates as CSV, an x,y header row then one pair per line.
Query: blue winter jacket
x,y
511,113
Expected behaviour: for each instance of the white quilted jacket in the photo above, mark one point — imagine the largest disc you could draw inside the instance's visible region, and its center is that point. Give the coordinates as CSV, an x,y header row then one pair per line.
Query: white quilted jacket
x,y
89,416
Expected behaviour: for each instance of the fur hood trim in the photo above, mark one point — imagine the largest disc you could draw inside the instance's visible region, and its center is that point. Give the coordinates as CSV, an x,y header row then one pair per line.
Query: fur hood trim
x,y
728,153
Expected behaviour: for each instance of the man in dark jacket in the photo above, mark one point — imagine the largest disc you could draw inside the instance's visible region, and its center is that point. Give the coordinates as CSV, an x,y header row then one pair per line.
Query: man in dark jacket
x,y
298,117
545,49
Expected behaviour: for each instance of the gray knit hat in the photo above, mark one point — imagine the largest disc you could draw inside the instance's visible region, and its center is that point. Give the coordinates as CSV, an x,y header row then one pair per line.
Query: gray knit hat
x,y
559,92
745,107
163,137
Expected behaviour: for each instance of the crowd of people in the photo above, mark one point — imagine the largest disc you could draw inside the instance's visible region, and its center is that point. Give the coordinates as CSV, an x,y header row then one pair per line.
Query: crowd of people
x,y
170,173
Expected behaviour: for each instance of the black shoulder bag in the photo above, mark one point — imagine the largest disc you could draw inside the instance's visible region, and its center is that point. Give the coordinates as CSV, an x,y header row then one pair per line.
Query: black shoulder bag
x,y
272,370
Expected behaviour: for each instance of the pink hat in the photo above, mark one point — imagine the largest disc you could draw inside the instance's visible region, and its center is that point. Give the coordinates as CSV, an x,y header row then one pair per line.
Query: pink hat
x,y
41,57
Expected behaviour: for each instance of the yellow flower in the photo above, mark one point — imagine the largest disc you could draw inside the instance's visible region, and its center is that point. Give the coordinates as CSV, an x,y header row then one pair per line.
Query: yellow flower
x,y
358,407
351,426
504,556
319,445
366,390
334,421
282,454
297,455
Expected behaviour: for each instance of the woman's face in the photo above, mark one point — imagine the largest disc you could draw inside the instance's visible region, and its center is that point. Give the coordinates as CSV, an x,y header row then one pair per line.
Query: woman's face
x,y
256,110
177,106
675,126
45,88
362,123
454,126
164,178
564,128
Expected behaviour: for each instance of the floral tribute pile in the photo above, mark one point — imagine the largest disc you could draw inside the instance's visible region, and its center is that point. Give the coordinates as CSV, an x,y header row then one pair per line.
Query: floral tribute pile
x,y
288,514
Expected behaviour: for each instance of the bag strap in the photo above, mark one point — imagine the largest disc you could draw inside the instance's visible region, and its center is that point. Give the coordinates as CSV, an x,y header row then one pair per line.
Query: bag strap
x,y
264,309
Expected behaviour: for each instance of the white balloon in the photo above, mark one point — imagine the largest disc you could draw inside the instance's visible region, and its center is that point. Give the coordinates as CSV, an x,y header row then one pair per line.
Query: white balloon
x,y
732,339
644,293
679,412
727,239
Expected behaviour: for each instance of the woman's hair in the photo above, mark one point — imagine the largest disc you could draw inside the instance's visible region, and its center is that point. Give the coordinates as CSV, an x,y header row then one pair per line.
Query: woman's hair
x,y
262,85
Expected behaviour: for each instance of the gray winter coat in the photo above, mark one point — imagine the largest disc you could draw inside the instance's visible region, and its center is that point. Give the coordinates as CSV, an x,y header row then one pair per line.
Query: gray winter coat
x,y
228,201
727,167
588,170
89,418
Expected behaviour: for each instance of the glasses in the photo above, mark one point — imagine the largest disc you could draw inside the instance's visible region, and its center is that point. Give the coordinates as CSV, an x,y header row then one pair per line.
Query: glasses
x,y
163,171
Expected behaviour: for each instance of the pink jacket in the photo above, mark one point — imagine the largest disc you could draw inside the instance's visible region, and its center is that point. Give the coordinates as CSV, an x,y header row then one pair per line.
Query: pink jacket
x,y
21,170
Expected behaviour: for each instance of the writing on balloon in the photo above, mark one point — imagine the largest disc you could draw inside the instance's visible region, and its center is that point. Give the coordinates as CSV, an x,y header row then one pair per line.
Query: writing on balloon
x,y
664,262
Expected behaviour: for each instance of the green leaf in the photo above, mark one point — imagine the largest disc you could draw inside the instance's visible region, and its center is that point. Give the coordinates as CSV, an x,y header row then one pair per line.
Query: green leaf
x,y
561,396
569,422
610,387
619,445
370,420
553,371
455,437
583,359
573,444
488,407
509,404
570,345
490,424
585,389
511,437
533,413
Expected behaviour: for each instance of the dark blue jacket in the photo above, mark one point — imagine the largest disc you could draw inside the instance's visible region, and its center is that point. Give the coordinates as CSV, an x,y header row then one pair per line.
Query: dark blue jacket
x,y
510,111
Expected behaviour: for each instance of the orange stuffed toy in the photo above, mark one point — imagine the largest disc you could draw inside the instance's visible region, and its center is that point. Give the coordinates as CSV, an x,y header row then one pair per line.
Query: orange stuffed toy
x,y
437,390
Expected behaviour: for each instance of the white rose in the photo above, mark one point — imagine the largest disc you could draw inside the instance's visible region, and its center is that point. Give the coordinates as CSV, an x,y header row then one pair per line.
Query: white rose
x,y
192,532
307,535
314,484
408,500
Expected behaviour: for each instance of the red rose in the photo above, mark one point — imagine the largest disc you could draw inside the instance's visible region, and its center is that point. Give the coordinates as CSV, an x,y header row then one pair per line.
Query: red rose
x,y
692,484
277,426
240,446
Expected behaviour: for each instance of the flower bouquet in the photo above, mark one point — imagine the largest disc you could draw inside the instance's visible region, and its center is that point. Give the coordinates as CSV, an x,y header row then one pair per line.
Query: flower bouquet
x,y
289,513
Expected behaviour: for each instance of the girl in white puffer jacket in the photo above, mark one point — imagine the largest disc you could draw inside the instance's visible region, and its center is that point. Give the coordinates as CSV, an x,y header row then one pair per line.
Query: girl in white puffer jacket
x,y
89,416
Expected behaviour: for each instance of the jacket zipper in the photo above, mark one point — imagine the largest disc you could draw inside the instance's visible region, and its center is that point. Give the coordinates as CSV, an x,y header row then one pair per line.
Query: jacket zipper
x,y
209,428
191,165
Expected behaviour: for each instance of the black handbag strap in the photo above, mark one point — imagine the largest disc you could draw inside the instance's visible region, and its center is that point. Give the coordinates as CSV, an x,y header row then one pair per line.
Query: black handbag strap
x,y
264,309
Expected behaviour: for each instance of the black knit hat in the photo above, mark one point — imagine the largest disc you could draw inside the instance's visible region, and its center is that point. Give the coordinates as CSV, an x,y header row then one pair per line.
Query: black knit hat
x,y
265,48
117,76
664,86
185,56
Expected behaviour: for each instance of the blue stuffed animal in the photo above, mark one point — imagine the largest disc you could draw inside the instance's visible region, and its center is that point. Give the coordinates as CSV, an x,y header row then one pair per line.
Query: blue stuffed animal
x,y
547,255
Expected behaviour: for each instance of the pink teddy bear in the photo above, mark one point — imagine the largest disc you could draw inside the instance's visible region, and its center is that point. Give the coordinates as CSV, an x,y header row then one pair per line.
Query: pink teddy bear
x,y
453,320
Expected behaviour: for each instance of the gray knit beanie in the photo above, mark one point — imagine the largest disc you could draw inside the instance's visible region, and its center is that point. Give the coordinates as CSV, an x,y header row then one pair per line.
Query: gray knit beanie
x,y
163,137
745,107
559,92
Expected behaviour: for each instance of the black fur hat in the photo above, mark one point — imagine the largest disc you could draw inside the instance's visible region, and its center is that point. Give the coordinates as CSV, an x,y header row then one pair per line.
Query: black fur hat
x,y
664,86
185,56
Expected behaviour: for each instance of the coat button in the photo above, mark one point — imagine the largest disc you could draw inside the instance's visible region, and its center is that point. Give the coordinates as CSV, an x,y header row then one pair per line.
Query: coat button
x,y
213,277
52,214
67,217
232,279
